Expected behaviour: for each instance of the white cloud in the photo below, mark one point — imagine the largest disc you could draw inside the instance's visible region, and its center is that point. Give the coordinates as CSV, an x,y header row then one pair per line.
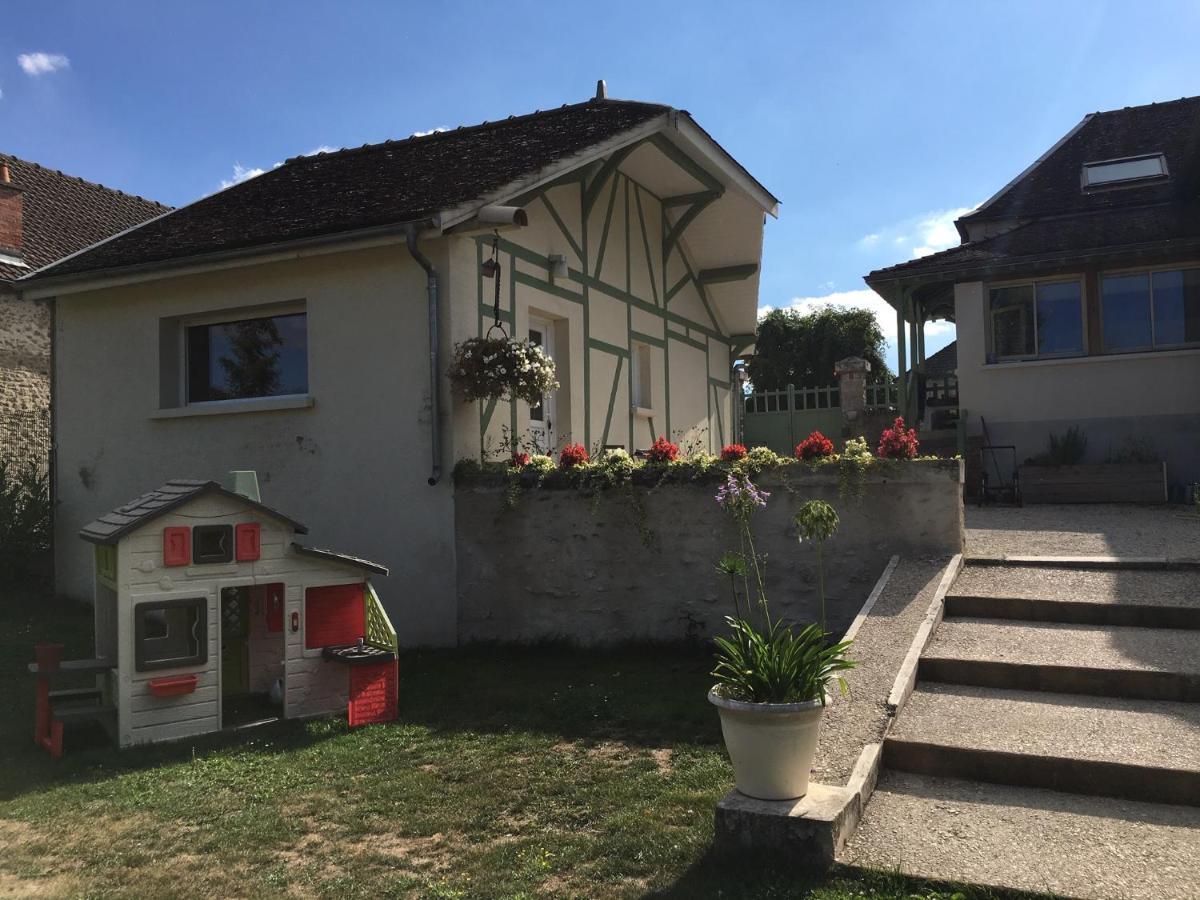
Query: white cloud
x,y
922,235
241,173
323,148
42,63
434,130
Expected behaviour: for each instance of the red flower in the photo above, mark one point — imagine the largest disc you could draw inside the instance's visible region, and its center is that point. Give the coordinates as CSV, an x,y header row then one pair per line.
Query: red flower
x,y
898,442
662,450
572,455
815,446
519,460
732,452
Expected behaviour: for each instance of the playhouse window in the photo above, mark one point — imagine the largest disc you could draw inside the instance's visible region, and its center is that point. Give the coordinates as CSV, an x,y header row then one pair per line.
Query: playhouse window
x,y
170,633
261,357
212,544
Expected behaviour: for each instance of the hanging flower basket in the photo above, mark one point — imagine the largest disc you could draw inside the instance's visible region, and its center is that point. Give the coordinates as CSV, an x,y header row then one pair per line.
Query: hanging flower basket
x,y
501,367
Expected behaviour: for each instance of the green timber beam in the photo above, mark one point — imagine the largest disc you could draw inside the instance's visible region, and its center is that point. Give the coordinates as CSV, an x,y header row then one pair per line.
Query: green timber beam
x,y
689,215
685,162
727,273
901,364
684,199
739,342
592,192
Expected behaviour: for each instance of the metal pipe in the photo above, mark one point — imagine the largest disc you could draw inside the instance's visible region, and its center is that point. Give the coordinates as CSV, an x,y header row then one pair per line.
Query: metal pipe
x,y
435,440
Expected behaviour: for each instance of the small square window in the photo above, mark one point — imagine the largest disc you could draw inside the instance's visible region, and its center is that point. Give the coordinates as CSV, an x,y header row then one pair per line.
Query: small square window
x,y
170,633
212,544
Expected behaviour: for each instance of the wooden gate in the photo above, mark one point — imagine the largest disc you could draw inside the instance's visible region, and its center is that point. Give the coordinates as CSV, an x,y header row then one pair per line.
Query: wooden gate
x,y
782,419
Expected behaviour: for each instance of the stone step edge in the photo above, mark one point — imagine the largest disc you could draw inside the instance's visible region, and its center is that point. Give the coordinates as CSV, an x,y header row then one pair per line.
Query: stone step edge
x,y
1134,684
1071,612
1102,778
1164,563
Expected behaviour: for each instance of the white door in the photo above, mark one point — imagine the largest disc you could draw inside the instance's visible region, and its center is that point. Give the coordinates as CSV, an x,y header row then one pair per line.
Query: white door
x,y
541,414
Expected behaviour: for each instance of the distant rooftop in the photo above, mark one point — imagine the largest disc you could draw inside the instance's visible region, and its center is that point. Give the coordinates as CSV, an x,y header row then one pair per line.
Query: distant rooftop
x,y
62,214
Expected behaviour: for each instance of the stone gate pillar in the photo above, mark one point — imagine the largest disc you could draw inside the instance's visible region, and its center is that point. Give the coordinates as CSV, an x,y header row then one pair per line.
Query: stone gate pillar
x,y
852,374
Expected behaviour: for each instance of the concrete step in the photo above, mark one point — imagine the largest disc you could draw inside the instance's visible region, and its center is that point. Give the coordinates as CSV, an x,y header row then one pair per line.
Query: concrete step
x,y
1028,838
1136,749
1107,661
1150,599
1189,563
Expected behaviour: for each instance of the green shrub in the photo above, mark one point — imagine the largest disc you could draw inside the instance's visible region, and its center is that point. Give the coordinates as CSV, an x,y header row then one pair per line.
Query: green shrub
x,y
1067,449
24,521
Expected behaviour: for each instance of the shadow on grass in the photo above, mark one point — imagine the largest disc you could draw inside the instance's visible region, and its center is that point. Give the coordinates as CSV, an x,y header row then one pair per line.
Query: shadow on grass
x,y
649,695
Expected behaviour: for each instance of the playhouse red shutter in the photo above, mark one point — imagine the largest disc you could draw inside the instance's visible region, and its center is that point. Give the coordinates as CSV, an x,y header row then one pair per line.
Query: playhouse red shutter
x,y
177,546
248,541
334,615
372,693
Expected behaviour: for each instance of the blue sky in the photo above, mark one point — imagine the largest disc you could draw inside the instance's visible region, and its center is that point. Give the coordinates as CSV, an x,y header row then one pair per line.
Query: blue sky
x,y
875,123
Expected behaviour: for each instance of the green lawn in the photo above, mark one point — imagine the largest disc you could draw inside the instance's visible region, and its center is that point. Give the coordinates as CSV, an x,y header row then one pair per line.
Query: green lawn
x,y
512,773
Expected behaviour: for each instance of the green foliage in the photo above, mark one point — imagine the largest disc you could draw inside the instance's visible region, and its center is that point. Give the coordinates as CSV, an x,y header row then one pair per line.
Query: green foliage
x,y
801,349
1135,449
24,521
817,521
1067,449
777,664
855,460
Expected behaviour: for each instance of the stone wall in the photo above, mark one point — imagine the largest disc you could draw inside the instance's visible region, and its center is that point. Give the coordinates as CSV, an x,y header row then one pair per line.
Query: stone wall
x,y
24,380
562,566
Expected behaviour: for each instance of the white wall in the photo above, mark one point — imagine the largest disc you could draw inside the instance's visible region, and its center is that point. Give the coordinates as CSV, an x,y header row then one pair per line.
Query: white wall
x,y
353,467
1153,395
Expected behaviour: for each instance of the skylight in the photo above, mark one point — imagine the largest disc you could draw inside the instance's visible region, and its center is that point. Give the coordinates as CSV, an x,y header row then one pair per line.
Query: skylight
x,y
1114,171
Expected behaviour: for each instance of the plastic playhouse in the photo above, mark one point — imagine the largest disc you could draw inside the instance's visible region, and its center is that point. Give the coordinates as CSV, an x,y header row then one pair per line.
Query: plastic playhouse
x,y
210,616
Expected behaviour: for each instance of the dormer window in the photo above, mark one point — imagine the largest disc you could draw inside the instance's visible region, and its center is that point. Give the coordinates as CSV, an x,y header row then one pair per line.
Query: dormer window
x,y
1124,171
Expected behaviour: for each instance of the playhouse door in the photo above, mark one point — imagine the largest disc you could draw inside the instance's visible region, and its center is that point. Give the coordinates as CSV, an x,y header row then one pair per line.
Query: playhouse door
x,y
235,647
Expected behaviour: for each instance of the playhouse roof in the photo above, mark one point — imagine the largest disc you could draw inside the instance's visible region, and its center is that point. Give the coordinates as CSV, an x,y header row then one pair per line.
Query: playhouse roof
x,y
334,556
112,526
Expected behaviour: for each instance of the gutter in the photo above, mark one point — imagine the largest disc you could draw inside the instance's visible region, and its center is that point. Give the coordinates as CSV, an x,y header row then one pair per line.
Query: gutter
x,y
431,287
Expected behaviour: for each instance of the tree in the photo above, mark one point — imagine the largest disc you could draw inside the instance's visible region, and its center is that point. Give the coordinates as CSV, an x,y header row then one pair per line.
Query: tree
x,y
254,369
801,349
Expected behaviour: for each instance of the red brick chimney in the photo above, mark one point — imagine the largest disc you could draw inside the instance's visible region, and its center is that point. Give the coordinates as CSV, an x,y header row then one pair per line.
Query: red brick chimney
x,y
10,211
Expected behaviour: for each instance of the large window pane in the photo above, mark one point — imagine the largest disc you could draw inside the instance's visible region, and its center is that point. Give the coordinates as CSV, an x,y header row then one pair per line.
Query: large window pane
x,y
1126,308
1177,307
264,357
1060,318
1012,321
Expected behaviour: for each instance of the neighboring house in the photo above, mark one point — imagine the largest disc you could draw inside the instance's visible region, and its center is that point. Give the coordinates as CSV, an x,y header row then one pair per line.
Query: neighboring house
x,y
44,215
283,325
1076,293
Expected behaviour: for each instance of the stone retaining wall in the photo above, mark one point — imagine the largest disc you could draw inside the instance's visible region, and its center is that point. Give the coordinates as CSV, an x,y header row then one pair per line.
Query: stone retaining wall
x,y
563,566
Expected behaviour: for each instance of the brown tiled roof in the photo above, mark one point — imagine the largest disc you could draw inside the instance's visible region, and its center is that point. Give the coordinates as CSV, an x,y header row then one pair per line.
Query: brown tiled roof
x,y
1162,229
62,214
1056,220
112,526
375,185
1054,187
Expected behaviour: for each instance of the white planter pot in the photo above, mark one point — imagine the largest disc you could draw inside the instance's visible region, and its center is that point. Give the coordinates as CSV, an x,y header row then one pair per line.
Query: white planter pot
x,y
771,745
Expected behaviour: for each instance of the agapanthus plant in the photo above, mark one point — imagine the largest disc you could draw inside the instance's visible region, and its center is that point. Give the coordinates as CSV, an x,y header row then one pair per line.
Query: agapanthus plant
x,y
769,661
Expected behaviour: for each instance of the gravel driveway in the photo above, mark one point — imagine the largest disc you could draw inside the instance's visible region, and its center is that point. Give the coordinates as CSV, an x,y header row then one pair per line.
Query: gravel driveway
x,y
1084,530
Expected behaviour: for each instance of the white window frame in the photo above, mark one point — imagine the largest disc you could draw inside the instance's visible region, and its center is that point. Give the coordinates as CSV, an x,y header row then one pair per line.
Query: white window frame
x,y
1153,346
239,315
993,358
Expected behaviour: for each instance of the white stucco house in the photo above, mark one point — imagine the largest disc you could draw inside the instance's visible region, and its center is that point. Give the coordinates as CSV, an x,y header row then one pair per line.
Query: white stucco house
x,y
1076,295
299,324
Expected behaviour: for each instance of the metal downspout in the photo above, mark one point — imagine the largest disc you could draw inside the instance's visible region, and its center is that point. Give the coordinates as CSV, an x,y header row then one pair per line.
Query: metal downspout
x,y
435,440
